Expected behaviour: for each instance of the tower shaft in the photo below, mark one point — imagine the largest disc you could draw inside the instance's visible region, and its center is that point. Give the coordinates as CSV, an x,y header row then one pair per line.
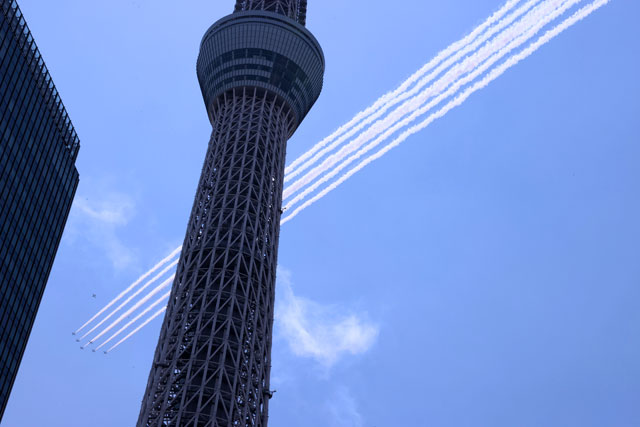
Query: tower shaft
x,y
213,358
260,72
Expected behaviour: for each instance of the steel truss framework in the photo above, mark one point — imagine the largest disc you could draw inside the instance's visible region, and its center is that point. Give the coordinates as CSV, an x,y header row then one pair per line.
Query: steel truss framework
x,y
294,9
212,363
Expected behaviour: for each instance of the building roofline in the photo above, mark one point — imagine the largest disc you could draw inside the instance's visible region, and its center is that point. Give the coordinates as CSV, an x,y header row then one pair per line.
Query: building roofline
x,y
36,63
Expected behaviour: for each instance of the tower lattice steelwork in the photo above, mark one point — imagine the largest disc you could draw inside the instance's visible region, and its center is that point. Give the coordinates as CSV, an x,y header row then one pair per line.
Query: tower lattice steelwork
x,y
260,71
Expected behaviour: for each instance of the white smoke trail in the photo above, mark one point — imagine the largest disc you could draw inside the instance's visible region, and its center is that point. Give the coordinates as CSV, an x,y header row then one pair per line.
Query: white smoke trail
x,y
145,323
134,320
399,96
131,297
536,17
133,285
406,84
531,19
150,295
581,14
457,49
494,74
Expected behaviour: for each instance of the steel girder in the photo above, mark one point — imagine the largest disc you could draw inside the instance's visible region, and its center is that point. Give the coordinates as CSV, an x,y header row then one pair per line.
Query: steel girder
x,y
294,9
212,363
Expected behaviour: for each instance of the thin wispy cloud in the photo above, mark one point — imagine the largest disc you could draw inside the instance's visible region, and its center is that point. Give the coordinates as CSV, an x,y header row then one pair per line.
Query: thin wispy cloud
x,y
343,409
97,221
115,211
323,333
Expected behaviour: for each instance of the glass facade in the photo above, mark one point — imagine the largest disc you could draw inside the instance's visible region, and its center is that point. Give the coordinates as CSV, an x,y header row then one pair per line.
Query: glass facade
x,y
38,180
255,48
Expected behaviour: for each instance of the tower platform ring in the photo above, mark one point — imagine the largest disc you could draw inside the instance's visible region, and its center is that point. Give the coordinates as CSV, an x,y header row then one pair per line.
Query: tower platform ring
x,y
264,50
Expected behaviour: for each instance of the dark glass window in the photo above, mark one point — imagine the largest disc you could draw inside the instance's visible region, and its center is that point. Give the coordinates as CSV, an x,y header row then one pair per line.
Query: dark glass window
x,y
38,147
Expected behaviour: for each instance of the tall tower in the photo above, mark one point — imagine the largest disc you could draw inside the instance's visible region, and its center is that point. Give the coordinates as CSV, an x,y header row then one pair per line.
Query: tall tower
x,y
260,71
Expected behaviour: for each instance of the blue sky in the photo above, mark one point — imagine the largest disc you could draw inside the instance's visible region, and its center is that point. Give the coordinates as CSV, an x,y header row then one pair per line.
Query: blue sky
x,y
488,268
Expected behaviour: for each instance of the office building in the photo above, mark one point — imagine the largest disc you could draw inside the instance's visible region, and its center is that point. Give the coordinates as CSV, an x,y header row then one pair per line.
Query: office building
x,y
38,180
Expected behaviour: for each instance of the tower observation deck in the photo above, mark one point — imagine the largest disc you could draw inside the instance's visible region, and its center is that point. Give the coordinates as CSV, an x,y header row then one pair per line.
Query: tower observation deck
x,y
260,71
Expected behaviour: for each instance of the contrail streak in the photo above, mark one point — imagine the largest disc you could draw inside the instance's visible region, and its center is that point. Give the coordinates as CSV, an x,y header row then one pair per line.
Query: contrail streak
x,y
134,320
131,297
470,46
146,322
494,74
450,77
157,289
387,100
532,23
457,49
291,171
133,285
